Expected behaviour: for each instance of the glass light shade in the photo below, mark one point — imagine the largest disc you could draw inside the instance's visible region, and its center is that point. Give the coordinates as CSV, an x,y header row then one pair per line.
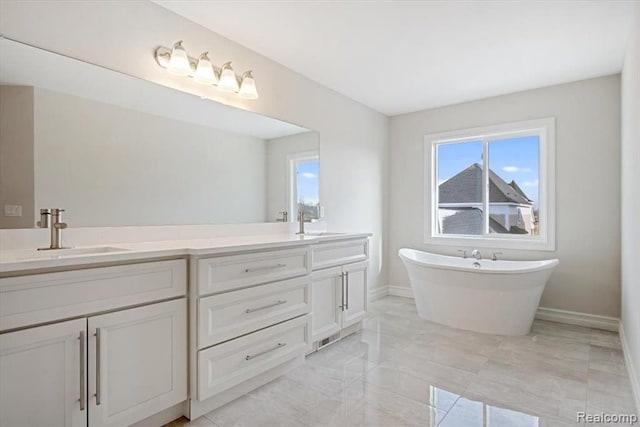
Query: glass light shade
x,y
248,87
228,82
204,71
179,61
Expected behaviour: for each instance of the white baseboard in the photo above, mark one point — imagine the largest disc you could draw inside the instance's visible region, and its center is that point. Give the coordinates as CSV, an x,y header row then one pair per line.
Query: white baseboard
x,y
400,291
633,373
378,293
561,316
580,319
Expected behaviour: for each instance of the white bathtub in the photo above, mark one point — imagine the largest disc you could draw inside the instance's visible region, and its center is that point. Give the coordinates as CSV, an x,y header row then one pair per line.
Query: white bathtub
x,y
495,297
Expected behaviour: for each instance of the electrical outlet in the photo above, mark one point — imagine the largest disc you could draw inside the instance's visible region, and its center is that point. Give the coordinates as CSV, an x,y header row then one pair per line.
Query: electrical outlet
x,y
12,210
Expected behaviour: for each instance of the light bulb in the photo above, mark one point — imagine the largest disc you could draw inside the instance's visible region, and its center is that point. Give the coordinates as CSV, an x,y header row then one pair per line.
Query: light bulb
x,y
248,87
228,82
204,71
179,61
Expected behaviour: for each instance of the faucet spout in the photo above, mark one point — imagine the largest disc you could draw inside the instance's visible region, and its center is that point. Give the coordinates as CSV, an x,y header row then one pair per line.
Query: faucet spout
x,y
300,221
52,218
476,254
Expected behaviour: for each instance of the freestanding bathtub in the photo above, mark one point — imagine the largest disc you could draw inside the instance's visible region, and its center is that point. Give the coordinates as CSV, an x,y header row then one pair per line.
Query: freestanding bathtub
x,y
495,297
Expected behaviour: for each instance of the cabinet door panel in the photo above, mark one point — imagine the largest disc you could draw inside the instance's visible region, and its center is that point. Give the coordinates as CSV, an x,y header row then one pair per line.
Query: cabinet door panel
x,y
326,298
355,293
137,362
40,375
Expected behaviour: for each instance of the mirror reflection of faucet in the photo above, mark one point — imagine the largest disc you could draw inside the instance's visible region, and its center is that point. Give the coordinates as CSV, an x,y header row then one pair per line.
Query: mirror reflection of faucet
x,y
52,218
285,216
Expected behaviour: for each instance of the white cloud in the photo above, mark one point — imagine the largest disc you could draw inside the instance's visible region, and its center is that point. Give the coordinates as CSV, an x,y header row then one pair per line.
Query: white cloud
x,y
533,183
309,175
515,169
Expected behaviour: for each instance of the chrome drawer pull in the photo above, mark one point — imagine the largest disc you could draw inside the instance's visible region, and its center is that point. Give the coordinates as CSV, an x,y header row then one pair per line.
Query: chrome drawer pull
x,y
253,356
265,268
275,304
83,390
98,367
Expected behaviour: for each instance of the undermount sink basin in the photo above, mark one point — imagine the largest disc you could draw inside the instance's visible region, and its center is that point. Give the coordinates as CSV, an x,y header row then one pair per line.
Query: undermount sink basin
x,y
27,254
323,233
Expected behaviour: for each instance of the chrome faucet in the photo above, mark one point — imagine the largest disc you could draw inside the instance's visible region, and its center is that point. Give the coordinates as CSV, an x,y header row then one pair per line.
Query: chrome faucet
x,y
476,254
300,221
52,218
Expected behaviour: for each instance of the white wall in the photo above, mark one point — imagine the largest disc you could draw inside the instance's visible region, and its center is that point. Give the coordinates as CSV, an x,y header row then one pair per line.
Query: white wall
x,y
111,166
631,203
16,155
587,185
123,35
278,152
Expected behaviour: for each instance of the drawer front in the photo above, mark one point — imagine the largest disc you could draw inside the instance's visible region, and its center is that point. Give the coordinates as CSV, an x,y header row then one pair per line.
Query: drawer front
x,y
27,300
339,253
229,315
226,365
231,272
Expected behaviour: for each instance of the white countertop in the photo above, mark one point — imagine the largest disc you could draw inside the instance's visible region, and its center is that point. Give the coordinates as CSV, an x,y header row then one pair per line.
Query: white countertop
x,y
25,260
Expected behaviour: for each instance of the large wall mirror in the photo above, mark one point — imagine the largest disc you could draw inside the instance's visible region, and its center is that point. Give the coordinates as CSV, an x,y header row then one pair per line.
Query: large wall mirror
x,y
115,150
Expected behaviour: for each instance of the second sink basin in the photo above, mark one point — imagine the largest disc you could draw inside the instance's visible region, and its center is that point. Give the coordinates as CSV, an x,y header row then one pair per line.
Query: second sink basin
x,y
27,254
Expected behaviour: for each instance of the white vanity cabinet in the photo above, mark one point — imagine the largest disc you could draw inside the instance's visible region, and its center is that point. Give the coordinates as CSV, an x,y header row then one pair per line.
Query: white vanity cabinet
x,y
340,289
43,376
251,313
110,369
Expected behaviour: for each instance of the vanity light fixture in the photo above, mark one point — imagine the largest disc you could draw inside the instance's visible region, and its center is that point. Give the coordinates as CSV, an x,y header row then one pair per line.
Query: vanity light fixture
x,y
248,86
205,73
228,81
177,62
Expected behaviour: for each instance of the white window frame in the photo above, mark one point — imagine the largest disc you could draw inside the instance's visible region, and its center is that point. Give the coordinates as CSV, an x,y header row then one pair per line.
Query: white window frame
x,y
546,240
292,182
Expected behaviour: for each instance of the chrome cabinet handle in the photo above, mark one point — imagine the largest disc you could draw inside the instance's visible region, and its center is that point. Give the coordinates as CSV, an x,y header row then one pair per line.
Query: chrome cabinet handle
x,y
267,267
342,291
83,362
264,307
97,395
346,299
253,356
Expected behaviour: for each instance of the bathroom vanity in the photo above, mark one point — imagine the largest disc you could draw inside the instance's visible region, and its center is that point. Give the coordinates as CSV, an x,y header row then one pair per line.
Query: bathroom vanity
x,y
162,329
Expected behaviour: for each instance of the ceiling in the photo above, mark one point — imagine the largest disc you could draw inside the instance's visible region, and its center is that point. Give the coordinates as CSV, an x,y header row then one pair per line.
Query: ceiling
x,y
403,56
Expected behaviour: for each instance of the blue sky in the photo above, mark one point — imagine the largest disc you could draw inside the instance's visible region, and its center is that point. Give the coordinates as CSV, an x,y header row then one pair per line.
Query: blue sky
x,y
308,173
512,159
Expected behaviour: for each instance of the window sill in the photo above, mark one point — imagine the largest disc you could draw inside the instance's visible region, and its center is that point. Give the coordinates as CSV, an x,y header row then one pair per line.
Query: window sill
x,y
493,243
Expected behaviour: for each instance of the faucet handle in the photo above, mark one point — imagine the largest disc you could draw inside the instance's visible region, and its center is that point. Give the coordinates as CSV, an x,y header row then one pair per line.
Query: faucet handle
x,y
464,253
495,256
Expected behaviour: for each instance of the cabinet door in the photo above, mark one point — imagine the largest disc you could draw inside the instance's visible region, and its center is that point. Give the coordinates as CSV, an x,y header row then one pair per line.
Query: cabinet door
x,y
42,376
355,293
326,297
137,362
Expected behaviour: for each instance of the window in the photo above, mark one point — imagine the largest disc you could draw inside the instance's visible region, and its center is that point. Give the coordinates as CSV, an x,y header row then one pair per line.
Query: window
x,y
492,186
304,187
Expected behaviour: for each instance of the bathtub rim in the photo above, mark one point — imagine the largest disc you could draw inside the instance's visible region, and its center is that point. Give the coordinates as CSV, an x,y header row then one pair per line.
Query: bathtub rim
x,y
540,265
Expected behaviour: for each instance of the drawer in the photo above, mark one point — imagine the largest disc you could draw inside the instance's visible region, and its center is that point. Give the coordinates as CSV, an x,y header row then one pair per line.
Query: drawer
x,y
226,365
339,253
39,298
231,272
229,315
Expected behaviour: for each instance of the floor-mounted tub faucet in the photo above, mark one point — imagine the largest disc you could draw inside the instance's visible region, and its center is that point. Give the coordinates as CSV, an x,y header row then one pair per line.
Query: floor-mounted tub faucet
x,y
52,218
476,254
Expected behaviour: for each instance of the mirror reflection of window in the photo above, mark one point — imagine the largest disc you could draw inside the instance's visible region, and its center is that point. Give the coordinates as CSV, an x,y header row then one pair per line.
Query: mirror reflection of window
x,y
305,193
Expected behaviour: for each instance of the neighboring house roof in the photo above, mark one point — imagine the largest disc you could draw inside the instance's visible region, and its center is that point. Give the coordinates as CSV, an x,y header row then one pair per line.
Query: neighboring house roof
x,y
469,221
466,187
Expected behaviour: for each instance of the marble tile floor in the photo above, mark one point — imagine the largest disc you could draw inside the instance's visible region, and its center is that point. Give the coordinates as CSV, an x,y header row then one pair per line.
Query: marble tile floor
x,y
403,371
